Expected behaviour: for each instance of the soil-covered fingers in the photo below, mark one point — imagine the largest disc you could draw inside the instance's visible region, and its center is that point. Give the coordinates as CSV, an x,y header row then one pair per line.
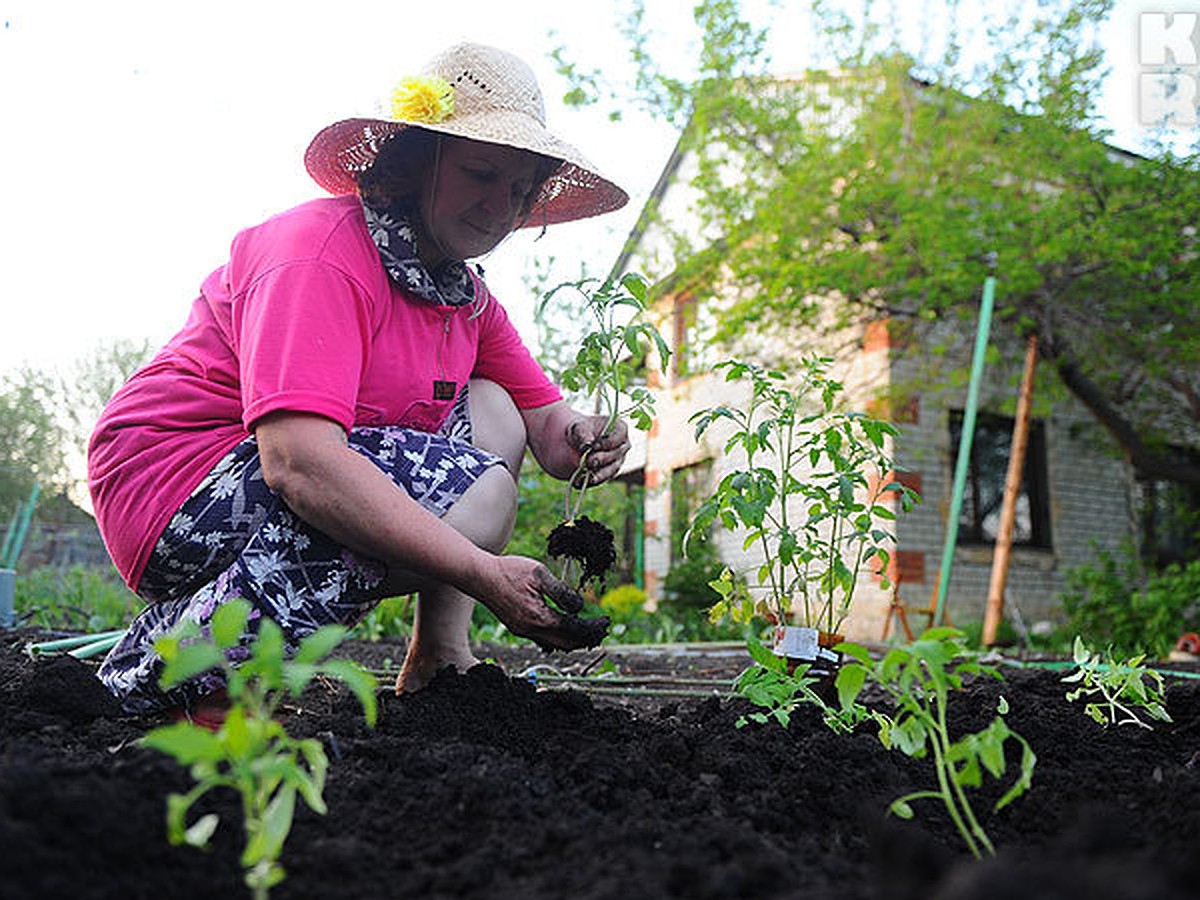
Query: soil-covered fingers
x,y
606,452
523,609
564,596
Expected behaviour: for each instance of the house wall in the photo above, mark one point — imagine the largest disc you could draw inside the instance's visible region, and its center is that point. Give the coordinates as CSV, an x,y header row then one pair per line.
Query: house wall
x,y
1089,506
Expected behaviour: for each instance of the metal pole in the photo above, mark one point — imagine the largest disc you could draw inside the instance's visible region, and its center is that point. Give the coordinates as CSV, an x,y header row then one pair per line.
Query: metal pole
x,y
964,446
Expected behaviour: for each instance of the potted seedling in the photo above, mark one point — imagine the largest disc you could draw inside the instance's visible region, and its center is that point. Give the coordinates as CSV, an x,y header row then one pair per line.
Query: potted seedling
x,y
251,752
605,366
810,498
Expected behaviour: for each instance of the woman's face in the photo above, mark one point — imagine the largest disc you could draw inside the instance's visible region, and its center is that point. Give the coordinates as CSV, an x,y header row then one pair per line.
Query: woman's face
x,y
475,198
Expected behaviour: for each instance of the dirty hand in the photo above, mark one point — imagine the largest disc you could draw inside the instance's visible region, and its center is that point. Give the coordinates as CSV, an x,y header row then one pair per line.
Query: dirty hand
x,y
605,452
518,598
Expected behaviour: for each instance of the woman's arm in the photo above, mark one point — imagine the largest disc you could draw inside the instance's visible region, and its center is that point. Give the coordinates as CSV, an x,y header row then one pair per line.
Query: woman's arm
x,y
558,435
307,461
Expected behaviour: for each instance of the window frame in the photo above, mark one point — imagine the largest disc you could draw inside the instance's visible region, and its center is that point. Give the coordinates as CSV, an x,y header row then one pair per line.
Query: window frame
x,y
1035,481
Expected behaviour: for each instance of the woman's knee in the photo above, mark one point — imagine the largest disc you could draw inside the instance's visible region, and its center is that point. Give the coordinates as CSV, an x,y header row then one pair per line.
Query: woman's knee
x,y
496,423
487,511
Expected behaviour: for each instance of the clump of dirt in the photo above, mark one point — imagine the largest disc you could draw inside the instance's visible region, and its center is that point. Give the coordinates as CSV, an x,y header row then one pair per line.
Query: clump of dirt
x,y
589,543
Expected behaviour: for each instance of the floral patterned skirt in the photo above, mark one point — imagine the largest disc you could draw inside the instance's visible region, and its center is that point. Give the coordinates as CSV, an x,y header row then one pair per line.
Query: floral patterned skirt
x,y
234,537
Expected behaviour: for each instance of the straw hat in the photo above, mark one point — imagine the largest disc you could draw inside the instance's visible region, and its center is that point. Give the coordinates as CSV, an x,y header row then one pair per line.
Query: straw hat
x,y
475,92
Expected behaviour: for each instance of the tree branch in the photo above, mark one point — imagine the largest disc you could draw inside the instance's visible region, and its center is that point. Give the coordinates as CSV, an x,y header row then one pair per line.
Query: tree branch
x,y
1146,461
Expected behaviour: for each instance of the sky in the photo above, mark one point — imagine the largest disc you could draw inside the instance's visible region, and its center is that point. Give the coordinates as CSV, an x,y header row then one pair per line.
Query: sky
x,y
139,137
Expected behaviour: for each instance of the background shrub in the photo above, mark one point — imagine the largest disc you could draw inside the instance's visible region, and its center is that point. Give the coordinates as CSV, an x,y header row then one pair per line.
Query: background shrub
x,y
1117,602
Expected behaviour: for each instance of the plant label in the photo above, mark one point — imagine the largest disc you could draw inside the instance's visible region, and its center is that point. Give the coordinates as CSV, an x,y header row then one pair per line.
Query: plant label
x,y
795,642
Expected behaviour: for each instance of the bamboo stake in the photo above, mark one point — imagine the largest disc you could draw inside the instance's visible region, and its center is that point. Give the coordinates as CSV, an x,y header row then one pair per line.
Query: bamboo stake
x,y
1012,488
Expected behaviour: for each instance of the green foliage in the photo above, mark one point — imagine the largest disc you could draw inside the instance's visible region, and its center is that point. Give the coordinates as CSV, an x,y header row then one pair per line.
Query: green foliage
x,y
809,495
670,626
688,584
1120,689
611,355
252,753
1118,603
623,603
33,440
769,684
919,678
44,418
78,598
391,617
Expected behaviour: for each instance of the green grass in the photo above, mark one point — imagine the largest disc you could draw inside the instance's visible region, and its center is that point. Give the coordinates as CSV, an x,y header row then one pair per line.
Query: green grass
x,y
77,598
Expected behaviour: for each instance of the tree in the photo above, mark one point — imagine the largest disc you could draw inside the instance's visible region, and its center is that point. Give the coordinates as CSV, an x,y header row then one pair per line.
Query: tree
x,y
95,377
893,184
45,421
32,440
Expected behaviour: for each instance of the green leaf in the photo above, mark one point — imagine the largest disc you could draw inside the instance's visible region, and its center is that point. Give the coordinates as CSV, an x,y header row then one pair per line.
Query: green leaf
x,y
320,644
201,831
236,733
909,736
186,742
361,682
849,683
229,622
900,809
188,661
268,841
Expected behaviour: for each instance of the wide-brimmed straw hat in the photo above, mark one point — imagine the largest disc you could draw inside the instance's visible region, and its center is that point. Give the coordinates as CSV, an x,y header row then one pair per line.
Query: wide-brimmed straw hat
x,y
475,92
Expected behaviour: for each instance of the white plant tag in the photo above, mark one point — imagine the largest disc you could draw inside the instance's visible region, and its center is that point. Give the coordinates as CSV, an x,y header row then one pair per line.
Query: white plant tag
x,y
795,642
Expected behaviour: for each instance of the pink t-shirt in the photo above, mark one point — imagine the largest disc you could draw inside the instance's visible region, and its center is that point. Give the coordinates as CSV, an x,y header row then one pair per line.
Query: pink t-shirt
x,y
303,318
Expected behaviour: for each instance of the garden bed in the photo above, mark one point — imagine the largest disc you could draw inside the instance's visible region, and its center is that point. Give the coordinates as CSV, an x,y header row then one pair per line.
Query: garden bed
x,y
485,786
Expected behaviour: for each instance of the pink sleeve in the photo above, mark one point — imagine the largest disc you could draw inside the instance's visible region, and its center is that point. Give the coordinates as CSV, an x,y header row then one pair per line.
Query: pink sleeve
x,y
301,334
504,359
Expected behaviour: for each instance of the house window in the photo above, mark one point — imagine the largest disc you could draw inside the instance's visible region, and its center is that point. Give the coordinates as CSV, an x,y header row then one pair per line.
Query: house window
x,y
1170,521
979,521
689,486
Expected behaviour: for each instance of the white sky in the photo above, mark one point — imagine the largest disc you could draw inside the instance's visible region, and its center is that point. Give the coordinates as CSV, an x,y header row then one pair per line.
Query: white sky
x,y
139,137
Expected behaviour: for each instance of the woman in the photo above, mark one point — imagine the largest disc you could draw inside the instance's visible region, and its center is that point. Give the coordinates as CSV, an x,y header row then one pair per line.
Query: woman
x,y
344,414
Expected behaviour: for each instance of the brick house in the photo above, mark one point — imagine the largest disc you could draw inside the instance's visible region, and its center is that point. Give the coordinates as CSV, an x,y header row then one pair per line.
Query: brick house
x,y
1078,494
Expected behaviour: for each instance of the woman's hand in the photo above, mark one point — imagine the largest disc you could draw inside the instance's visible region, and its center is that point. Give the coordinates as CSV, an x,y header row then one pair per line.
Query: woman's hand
x,y
518,599
604,451
559,436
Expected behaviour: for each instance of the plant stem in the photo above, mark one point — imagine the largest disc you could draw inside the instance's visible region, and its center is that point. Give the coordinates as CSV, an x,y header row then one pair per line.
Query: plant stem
x,y
963,802
944,783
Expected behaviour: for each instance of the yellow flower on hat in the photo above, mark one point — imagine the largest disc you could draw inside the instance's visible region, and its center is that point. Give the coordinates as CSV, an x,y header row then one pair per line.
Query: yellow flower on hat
x,y
429,99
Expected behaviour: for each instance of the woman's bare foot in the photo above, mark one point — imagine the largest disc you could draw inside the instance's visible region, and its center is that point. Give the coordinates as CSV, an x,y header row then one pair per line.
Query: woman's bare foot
x,y
420,667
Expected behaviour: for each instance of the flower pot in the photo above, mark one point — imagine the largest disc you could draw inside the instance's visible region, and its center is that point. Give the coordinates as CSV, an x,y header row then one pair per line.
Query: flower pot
x,y
802,645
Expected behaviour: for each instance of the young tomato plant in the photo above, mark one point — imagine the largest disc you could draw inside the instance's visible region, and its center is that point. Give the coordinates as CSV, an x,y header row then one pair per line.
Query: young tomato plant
x,y
919,678
252,753
1118,689
809,496
606,366
769,684
609,359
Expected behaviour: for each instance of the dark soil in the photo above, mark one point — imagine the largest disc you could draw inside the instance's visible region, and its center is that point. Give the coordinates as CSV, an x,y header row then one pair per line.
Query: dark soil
x,y
485,786
589,543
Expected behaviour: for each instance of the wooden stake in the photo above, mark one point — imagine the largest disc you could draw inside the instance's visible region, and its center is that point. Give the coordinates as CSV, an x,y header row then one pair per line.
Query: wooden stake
x,y
1012,489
